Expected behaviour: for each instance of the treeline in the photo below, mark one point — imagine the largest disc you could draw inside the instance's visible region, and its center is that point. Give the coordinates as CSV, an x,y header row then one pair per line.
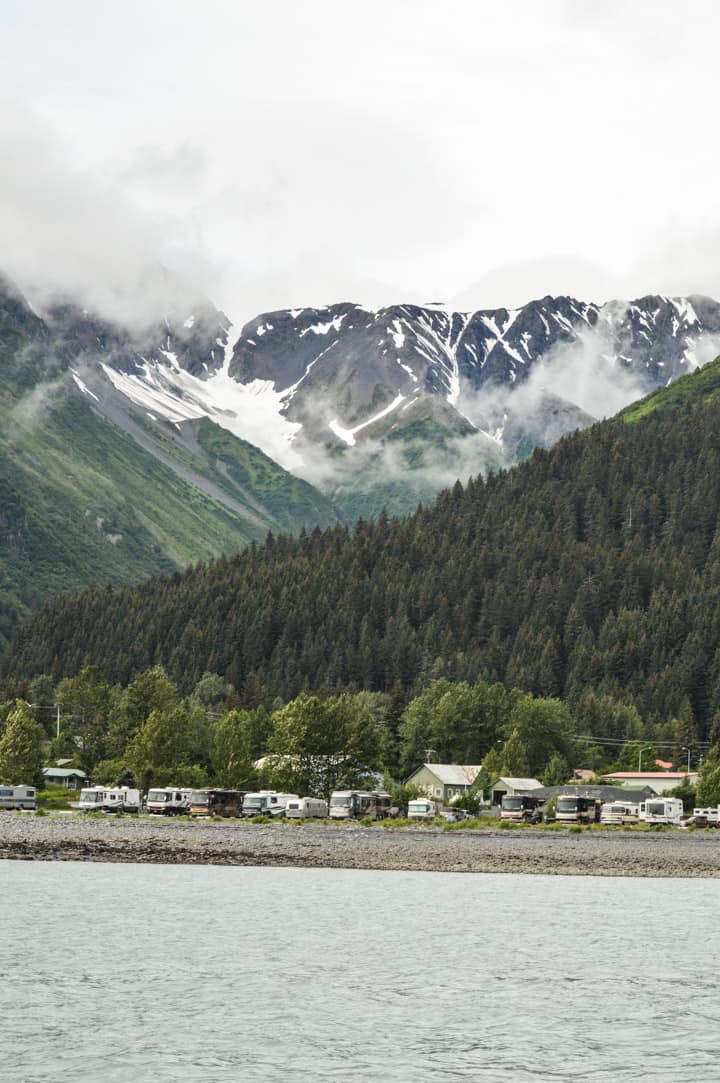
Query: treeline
x,y
592,568
148,733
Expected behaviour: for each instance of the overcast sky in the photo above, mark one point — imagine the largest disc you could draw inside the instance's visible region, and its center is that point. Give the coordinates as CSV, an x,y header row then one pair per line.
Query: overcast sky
x,y
293,152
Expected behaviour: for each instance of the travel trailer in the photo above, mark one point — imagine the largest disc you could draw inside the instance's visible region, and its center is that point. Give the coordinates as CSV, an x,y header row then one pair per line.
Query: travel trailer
x,y
121,799
17,797
168,801
706,817
358,804
573,808
421,808
661,810
109,799
216,802
618,812
521,806
267,803
306,808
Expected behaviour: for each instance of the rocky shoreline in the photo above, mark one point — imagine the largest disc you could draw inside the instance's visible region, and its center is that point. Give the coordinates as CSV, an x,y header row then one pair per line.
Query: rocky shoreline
x,y
353,846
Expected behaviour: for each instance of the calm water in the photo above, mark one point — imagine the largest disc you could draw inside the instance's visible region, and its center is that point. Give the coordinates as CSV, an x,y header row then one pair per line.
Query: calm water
x,y
175,973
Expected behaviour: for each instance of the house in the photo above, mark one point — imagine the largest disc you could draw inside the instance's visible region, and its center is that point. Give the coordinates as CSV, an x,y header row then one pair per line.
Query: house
x,y
70,777
443,781
658,781
511,786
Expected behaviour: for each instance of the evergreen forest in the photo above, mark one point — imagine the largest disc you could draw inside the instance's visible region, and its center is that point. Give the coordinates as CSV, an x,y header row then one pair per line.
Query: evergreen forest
x,y
593,569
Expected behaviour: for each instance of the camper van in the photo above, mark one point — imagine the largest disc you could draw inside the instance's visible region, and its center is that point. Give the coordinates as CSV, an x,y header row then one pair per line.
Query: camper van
x,y
267,803
421,808
521,806
661,810
306,808
574,809
618,812
17,797
358,804
216,803
168,801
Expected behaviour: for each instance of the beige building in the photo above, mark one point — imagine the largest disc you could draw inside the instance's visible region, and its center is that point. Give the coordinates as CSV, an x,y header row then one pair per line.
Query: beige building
x,y
658,781
443,781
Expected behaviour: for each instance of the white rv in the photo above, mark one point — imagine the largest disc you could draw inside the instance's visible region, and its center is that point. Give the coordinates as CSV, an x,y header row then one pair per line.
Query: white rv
x,y
91,799
357,804
121,799
17,797
706,817
661,810
422,808
168,801
619,812
267,803
306,808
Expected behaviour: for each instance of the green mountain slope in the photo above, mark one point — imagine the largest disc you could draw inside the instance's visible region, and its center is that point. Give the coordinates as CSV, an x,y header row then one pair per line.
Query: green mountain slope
x,y
83,500
592,567
697,387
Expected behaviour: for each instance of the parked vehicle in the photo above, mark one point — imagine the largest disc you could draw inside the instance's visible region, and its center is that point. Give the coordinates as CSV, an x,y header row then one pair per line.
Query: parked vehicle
x,y
91,798
216,802
704,817
307,808
521,806
267,803
619,812
661,810
422,808
572,808
358,804
168,801
18,797
121,799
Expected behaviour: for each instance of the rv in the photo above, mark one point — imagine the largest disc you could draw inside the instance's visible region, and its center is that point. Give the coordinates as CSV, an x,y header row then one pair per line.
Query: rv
x,y
706,817
421,808
17,797
267,803
91,799
618,812
216,803
572,808
121,799
168,801
521,806
358,804
661,810
306,808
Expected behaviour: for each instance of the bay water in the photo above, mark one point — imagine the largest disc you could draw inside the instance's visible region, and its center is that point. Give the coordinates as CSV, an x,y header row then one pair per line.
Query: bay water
x,y
165,973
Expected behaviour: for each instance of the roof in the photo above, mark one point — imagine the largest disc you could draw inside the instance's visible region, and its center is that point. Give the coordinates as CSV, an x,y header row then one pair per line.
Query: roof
x,y
598,793
648,774
63,772
583,773
520,783
451,774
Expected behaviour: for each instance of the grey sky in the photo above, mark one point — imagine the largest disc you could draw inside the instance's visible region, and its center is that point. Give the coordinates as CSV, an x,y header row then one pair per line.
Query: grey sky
x,y
297,152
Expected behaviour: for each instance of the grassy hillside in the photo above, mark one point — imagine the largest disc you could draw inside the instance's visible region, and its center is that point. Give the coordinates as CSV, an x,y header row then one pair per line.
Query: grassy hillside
x,y
82,501
700,386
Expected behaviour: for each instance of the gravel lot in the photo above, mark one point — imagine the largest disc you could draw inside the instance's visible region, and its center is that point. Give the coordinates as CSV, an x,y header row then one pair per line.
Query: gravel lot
x,y
596,853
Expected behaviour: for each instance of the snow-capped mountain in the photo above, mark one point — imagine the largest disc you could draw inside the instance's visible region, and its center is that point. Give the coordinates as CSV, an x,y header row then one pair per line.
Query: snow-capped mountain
x,y
351,397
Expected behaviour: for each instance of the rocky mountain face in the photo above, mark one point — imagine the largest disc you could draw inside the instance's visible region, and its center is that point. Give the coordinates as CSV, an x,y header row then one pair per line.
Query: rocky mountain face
x,y
387,406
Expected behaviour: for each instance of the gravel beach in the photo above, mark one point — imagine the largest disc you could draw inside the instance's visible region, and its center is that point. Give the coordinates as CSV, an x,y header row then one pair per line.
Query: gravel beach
x,y
353,846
